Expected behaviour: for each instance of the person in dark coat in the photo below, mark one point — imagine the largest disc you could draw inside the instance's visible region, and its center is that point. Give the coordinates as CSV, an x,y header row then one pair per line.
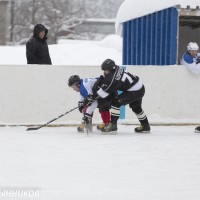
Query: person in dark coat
x,y
37,51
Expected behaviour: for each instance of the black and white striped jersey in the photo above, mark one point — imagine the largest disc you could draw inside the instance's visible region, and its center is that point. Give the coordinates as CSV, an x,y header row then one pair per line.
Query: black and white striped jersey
x,y
119,79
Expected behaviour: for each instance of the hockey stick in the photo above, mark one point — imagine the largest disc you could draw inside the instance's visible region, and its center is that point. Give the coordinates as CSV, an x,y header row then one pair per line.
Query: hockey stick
x,y
32,129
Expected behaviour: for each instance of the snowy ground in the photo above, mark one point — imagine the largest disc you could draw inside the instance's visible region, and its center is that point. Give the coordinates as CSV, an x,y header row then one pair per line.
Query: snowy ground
x,y
70,52
65,165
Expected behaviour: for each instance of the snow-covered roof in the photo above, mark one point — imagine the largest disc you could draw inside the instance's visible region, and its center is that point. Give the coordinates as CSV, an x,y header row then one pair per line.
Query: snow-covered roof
x,y
106,20
131,9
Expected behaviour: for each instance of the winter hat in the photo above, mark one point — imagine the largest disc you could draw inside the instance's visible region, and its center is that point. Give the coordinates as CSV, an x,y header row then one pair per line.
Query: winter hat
x,y
39,28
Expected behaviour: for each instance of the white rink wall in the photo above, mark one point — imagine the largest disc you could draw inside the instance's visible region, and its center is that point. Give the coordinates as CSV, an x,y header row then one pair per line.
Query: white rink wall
x,y
172,94
36,94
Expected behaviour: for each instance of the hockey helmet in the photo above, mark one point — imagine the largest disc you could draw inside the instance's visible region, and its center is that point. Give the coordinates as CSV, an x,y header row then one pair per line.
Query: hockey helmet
x,y
73,80
108,64
192,46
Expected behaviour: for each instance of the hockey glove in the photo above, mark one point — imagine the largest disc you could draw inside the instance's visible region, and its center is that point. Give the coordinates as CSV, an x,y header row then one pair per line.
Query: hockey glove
x,y
88,101
198,60
80,106
97,84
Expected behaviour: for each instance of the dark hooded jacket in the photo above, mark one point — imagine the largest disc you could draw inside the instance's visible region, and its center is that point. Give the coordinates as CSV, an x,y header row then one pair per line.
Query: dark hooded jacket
x,y
37,51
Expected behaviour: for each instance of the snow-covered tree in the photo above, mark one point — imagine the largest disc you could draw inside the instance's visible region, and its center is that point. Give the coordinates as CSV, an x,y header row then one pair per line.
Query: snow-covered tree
x,y
60,17
102,8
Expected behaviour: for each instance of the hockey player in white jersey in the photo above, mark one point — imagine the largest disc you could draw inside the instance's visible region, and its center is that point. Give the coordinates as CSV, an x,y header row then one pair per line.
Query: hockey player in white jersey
x,y
191,60
85,87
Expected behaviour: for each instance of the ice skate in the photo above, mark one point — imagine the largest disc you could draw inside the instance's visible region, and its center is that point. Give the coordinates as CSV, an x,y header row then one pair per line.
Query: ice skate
x,y
88,124
143,129
88,128
101,126
84,128
197,129
80,128
109,129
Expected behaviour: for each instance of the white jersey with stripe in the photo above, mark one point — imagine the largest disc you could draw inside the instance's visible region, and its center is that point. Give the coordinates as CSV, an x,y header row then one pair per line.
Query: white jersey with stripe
x,y
85,90
190,63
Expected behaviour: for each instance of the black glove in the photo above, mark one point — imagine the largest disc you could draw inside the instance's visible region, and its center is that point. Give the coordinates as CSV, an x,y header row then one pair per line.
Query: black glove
x,y
80,106
120,100
88,101
198,60
97,84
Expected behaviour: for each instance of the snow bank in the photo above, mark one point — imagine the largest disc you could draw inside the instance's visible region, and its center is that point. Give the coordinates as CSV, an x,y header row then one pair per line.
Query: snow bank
x,y
70,52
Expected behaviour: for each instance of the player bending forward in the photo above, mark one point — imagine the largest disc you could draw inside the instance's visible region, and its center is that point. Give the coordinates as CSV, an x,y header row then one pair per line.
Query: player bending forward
x,y
117,78
86,86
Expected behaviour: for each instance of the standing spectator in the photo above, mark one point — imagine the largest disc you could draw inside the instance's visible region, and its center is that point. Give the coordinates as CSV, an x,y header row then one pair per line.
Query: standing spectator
x,y
191,60
37,51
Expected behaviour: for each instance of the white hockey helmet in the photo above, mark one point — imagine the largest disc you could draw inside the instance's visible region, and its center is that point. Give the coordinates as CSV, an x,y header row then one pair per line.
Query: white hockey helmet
x,y
192,46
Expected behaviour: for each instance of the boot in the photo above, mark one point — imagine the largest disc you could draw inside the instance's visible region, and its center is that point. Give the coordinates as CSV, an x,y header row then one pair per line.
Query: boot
x,y
145,128
100,126
197,129
110,128
80,128
88,124
88,127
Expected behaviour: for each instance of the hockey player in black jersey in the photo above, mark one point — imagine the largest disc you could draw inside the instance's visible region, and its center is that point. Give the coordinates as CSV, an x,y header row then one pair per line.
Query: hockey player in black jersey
x,y
117,78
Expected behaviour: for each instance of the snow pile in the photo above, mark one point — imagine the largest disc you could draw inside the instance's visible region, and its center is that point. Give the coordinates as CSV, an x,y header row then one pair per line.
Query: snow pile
x,y
112,41
70,52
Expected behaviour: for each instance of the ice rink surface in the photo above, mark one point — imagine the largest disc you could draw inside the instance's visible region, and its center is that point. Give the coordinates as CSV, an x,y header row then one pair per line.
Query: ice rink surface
x,y
66,165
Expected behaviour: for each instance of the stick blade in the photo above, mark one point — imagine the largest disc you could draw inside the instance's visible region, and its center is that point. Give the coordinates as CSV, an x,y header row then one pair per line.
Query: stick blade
x,y
31,129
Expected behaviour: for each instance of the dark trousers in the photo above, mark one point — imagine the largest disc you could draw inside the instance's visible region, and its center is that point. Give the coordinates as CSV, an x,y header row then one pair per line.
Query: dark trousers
x,y
134,99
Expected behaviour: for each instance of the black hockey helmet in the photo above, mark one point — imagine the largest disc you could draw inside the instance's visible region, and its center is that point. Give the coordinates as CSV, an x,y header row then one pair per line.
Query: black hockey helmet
x,y
108,64
73,80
